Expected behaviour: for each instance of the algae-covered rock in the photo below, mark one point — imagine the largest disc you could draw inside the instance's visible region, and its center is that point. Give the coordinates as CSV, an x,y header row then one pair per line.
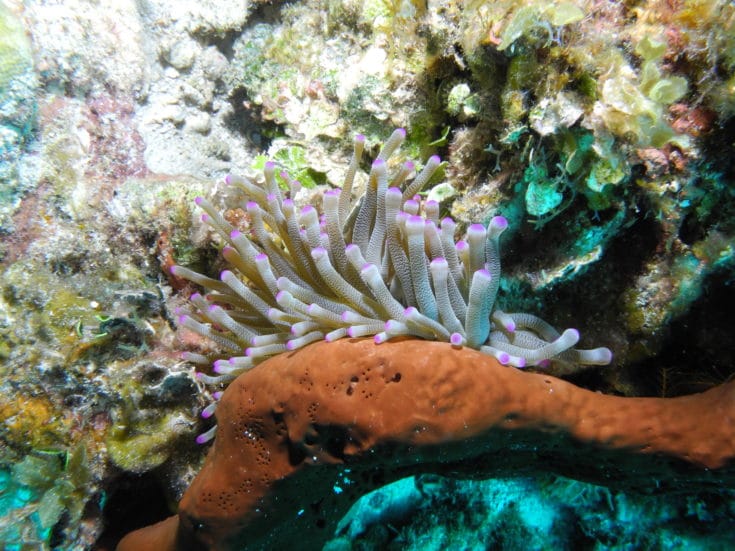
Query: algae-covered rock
x,y
17,109
15,48
150,443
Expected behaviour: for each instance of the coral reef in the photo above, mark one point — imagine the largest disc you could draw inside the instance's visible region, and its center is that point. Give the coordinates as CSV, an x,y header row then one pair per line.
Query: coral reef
x,y
353,414
601,132
601,117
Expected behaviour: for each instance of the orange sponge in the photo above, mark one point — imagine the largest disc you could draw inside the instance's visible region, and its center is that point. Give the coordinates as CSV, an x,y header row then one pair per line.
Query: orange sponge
x,y
304,434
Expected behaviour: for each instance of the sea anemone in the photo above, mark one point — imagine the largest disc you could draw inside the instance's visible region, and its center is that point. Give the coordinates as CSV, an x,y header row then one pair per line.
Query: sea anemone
x,y
382,265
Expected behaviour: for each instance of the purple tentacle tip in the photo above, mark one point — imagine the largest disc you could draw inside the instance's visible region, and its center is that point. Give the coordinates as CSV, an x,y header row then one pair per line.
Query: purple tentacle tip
x,y
499,222
198,200
217,366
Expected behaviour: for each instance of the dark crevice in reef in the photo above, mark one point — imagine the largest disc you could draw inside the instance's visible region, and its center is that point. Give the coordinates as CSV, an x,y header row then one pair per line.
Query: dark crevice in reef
x,y
248,122
601,287
696,354
267,12
721,158
628,253
225,43
135,501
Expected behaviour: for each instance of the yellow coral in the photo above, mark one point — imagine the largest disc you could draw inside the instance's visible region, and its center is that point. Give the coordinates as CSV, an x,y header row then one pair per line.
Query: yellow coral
x,y
34,421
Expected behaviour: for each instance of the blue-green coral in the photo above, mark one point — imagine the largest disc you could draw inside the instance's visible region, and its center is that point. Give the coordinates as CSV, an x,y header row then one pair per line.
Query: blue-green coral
x,y
38,492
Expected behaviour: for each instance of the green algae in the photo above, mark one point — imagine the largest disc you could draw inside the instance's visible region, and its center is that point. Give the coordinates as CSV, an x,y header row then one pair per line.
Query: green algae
x,y
543,193
139,445
293,159
52,307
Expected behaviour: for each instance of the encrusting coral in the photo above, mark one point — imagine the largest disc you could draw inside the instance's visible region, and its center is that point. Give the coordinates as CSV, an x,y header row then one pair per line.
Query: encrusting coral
x,y
384,266
305,433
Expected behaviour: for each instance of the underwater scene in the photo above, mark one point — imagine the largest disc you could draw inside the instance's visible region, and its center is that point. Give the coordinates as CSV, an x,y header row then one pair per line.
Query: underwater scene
x,y
367,275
